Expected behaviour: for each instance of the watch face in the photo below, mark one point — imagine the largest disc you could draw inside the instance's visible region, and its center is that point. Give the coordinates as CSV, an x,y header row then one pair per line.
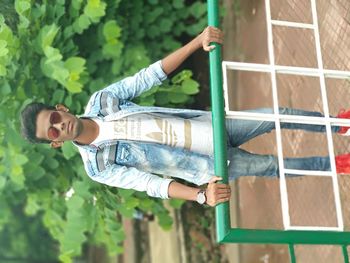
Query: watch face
x,y
201,198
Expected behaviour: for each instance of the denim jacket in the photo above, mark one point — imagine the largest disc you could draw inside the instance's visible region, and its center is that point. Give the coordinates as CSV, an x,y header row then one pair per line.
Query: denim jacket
x,y
138,165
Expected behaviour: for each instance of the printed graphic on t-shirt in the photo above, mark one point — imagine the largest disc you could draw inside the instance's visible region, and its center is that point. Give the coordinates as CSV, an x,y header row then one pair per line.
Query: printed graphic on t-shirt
x,y
167,134
162,129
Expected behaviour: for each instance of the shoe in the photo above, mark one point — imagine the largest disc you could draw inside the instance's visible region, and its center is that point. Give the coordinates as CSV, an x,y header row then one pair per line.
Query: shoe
x,y
342,162
343,114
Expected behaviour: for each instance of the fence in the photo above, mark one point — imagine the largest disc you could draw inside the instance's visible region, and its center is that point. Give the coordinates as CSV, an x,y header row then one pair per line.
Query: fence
x,y
291,234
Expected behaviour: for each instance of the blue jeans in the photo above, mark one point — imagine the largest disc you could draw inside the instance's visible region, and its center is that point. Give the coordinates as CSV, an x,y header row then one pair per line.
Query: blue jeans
x,y
243,163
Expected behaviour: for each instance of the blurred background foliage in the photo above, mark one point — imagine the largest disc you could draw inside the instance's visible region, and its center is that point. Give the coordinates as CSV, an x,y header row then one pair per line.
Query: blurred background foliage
x,y
61,52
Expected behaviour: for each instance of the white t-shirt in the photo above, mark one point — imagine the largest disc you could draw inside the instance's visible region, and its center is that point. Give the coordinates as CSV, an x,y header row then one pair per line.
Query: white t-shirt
x,y
193,134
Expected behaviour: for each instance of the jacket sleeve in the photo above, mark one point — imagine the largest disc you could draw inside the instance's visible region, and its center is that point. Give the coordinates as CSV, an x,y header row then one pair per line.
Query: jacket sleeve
x,y
131,87
131,178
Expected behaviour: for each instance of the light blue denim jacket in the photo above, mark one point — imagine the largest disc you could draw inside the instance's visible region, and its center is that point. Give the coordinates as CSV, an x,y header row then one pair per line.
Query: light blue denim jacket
x,y
137,165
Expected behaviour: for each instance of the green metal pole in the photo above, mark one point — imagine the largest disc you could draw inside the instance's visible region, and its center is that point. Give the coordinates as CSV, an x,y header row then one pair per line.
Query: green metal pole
x,y
236,235
218,117
224,231
292,253
345,254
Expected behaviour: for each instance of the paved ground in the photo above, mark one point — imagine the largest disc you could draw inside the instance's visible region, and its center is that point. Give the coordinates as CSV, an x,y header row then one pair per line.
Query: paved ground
x,y
311,200
169,245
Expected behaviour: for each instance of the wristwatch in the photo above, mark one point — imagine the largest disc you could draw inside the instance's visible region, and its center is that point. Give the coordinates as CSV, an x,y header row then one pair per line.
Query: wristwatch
x,y
201,198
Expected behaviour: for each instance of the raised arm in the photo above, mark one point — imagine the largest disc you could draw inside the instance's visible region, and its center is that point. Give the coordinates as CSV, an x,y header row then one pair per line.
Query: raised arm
x,y
133,86
210,34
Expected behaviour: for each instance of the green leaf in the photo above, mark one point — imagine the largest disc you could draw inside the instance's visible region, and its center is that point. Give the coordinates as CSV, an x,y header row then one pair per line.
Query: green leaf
x,y
152,16
170,44
112,49
68,31
176,203
95,9
37,173
69,150
21,7
47,35
55,69
74,86
127,212
162,98
153,31
21,159
32,206
178,78
76,4
52,54
178,97
60,73
91,215
81,188
198,9
166,25
3,50
75,64
58,96
82,23
178,3
2,182
145,203
75,203
66,257
68,101
131,202
17,176
125,192
190,86
54,223
51,163
119,235
111,30
38,11
3,71
147,101
36,158
165,221
5,88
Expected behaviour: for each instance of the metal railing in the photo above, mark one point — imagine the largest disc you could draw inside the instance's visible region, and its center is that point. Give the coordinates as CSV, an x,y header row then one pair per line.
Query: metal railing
x,y
292,235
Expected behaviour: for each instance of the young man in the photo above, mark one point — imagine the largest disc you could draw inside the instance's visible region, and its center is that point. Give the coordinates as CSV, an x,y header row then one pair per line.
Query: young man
x,y
126,145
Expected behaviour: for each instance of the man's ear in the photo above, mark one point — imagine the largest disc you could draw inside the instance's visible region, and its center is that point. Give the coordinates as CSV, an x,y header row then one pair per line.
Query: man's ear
x,y
61,107
56,144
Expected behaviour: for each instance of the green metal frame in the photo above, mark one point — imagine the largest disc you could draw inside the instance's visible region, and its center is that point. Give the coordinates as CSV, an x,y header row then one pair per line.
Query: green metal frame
x,y
226,234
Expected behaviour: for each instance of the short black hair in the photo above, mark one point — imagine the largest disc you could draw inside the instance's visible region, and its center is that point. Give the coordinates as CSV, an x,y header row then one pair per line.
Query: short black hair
x,y
28,121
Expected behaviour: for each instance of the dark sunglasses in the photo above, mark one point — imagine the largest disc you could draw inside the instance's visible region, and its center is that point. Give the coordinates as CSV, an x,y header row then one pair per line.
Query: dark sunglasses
x,y
52,132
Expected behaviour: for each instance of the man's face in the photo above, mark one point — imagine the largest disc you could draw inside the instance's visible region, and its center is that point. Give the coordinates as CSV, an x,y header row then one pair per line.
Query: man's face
x,y
57,125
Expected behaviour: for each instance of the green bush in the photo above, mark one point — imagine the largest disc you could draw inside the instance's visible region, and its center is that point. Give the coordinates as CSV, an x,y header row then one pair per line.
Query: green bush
x,y
63,51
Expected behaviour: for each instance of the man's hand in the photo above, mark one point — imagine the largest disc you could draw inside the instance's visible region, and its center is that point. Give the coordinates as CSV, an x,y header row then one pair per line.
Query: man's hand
x,y
210,34
217,193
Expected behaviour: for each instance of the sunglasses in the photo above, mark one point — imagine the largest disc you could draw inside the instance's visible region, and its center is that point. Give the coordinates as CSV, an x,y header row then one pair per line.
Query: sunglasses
x,y
52,132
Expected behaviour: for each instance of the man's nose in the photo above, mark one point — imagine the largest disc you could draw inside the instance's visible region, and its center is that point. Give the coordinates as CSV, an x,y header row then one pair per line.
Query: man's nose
x,y
59,125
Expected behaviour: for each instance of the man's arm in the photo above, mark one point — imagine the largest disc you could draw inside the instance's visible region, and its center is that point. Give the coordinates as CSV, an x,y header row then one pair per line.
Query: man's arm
x,y
131,87
155,186
210,34
215,193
